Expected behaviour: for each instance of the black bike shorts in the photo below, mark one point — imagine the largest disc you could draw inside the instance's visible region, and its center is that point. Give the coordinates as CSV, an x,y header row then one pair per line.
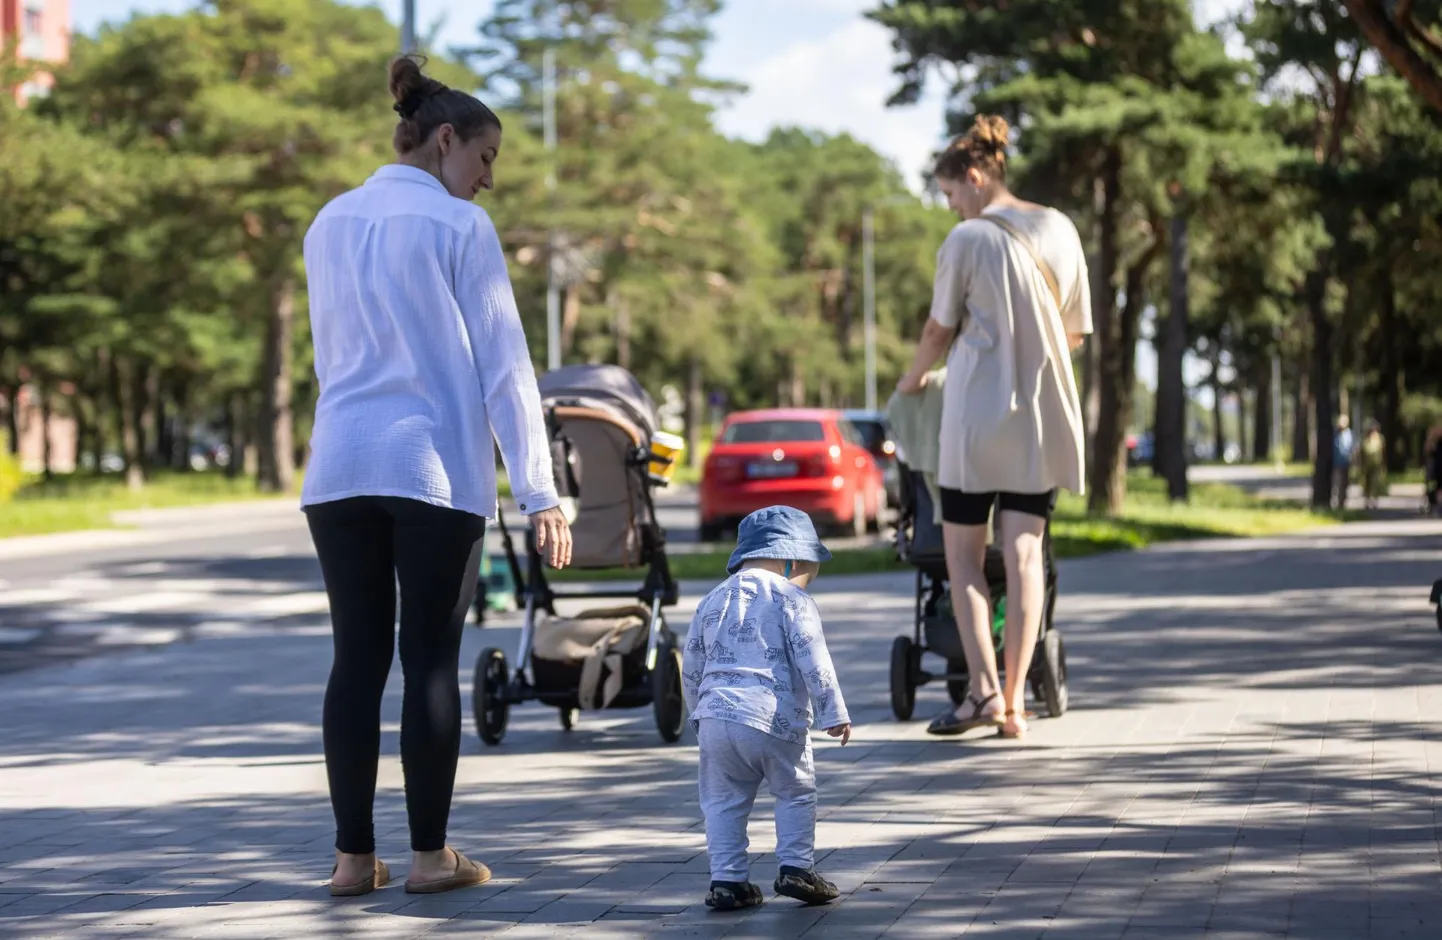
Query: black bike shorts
x,y
960,508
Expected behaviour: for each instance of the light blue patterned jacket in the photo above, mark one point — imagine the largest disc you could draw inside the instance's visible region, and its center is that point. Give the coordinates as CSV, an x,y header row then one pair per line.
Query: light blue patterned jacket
x,y
756,655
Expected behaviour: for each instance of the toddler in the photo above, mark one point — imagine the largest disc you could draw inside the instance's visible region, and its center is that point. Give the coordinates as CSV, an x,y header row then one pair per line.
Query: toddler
x,y
755,666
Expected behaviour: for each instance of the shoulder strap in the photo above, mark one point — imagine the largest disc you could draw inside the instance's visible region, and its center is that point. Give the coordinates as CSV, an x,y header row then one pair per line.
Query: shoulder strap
x,y
1046,272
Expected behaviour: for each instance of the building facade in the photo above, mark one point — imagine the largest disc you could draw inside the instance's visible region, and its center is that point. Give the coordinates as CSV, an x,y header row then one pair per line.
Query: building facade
x,y
40,30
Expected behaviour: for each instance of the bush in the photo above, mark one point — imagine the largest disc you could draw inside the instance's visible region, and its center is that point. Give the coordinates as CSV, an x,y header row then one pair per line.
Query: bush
x,y
11,476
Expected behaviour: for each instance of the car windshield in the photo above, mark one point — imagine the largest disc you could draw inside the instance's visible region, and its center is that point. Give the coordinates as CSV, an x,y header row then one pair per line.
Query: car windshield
x,y
774,432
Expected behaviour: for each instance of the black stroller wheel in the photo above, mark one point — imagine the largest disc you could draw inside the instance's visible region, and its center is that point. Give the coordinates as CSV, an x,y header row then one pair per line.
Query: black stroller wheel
x,y
488,695
903,678
666,697
570,717
1053,674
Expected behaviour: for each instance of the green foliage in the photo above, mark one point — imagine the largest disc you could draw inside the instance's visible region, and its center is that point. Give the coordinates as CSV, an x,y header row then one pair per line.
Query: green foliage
x,y
155,203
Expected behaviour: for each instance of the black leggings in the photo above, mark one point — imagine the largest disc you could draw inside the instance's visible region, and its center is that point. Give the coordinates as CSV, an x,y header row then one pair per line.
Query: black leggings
x,y
365,544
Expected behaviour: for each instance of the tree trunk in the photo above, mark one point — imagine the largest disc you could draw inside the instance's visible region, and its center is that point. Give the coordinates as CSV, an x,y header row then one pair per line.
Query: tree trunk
x,y
623,333
42,395
1301,417
12,420
1111,424
152,417
1393,381
164,436
84,429
123,387
277,437
1106,192
1117,378
234,435
570,319
1262,412
1219,430
1170,441
1244,439
144,416
1322,468
695,407
180,426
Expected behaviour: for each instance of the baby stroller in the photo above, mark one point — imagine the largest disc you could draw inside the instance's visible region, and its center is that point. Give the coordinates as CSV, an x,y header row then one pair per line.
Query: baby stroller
x,y
919,543
603,427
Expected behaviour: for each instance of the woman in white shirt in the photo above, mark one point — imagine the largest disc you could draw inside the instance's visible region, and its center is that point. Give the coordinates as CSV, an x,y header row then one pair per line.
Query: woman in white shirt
x,y
1010,303
421,359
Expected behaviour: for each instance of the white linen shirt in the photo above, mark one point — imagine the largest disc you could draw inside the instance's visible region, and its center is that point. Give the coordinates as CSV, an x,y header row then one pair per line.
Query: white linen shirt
x,y
419,353
756,655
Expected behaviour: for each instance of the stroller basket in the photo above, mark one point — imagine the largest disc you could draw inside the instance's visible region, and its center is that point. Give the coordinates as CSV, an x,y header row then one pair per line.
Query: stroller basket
x,y
601,422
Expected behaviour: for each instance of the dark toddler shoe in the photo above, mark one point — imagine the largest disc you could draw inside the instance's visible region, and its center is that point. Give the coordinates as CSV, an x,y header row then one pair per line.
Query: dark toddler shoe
x,y
733,896
804,884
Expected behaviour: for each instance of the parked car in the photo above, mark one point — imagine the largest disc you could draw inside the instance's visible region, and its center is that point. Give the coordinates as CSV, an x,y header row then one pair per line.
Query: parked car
x,y
811,459
1140,448
877,439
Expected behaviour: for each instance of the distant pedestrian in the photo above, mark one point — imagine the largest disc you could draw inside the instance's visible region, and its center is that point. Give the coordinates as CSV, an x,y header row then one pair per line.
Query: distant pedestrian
x,y
1011,302
757,676
1343,446
1432,469
421,360
1372,461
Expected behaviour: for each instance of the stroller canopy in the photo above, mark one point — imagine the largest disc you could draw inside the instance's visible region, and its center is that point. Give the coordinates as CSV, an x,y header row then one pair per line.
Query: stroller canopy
x,y
602,384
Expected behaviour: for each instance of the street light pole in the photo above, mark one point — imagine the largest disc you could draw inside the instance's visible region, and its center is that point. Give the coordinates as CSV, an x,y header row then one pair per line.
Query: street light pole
x,y
553,299
408,26
868,260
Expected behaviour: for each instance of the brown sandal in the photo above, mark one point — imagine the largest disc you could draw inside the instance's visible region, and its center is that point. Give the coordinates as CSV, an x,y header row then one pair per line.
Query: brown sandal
x,y
378,879
467,874
1021,728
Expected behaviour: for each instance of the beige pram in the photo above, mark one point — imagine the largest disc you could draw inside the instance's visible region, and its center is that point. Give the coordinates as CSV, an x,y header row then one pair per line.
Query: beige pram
x,y
601,423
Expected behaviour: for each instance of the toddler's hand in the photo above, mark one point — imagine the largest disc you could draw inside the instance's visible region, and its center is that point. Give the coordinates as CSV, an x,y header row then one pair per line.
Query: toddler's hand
x,y
841,731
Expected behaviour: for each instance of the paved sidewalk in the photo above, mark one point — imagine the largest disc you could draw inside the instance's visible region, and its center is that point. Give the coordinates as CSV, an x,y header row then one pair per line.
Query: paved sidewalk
x,y
1251,752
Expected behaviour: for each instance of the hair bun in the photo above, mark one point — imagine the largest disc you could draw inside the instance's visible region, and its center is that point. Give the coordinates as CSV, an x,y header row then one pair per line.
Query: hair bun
x,y
408,82
991,130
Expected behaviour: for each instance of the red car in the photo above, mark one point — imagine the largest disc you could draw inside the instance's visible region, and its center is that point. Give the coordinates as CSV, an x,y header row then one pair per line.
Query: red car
x,y
811,459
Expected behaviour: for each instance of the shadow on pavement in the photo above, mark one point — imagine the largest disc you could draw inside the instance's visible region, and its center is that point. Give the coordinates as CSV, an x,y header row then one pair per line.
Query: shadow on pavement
x,y
1235,760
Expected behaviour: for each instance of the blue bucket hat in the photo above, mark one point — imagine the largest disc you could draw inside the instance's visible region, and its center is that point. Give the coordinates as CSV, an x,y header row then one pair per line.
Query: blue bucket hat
x,y
777,532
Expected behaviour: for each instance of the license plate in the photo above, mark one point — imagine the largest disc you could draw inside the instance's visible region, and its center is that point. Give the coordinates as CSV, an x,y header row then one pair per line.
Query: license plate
x,y
771,469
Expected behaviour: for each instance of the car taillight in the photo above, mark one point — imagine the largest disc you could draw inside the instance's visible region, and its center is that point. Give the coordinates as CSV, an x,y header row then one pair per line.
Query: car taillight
x,y
816,465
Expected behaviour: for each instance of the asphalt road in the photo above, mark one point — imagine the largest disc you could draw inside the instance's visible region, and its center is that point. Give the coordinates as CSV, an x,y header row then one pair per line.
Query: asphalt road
x,y
183,574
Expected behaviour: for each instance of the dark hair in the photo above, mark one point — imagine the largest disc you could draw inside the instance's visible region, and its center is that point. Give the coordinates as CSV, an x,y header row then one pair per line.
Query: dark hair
x,y
424,104
982,147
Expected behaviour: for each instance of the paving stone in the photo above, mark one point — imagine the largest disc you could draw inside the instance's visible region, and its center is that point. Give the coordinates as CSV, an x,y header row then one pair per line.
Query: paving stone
x,y
1241,760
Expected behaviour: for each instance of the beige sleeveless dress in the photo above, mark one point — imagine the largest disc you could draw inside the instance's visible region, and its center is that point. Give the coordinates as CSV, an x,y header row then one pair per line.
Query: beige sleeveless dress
x,y
1011,417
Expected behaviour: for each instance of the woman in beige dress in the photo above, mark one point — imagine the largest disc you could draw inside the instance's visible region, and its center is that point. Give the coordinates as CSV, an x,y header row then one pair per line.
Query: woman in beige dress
x,y
1010,303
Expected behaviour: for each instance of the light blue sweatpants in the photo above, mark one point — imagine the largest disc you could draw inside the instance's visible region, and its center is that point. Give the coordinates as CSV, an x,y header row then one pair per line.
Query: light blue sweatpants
x,y
734,760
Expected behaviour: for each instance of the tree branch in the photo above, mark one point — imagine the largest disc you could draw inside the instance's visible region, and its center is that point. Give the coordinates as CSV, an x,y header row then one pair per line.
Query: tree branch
x,y
1418,32
1391,40
1341,113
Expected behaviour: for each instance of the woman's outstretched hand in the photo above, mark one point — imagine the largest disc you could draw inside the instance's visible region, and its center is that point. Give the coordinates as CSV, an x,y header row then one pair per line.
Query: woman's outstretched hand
x,y
911,383
553,532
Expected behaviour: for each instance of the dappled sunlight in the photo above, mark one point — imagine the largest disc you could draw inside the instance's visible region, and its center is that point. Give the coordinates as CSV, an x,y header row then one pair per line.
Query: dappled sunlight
x,y
1255,716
